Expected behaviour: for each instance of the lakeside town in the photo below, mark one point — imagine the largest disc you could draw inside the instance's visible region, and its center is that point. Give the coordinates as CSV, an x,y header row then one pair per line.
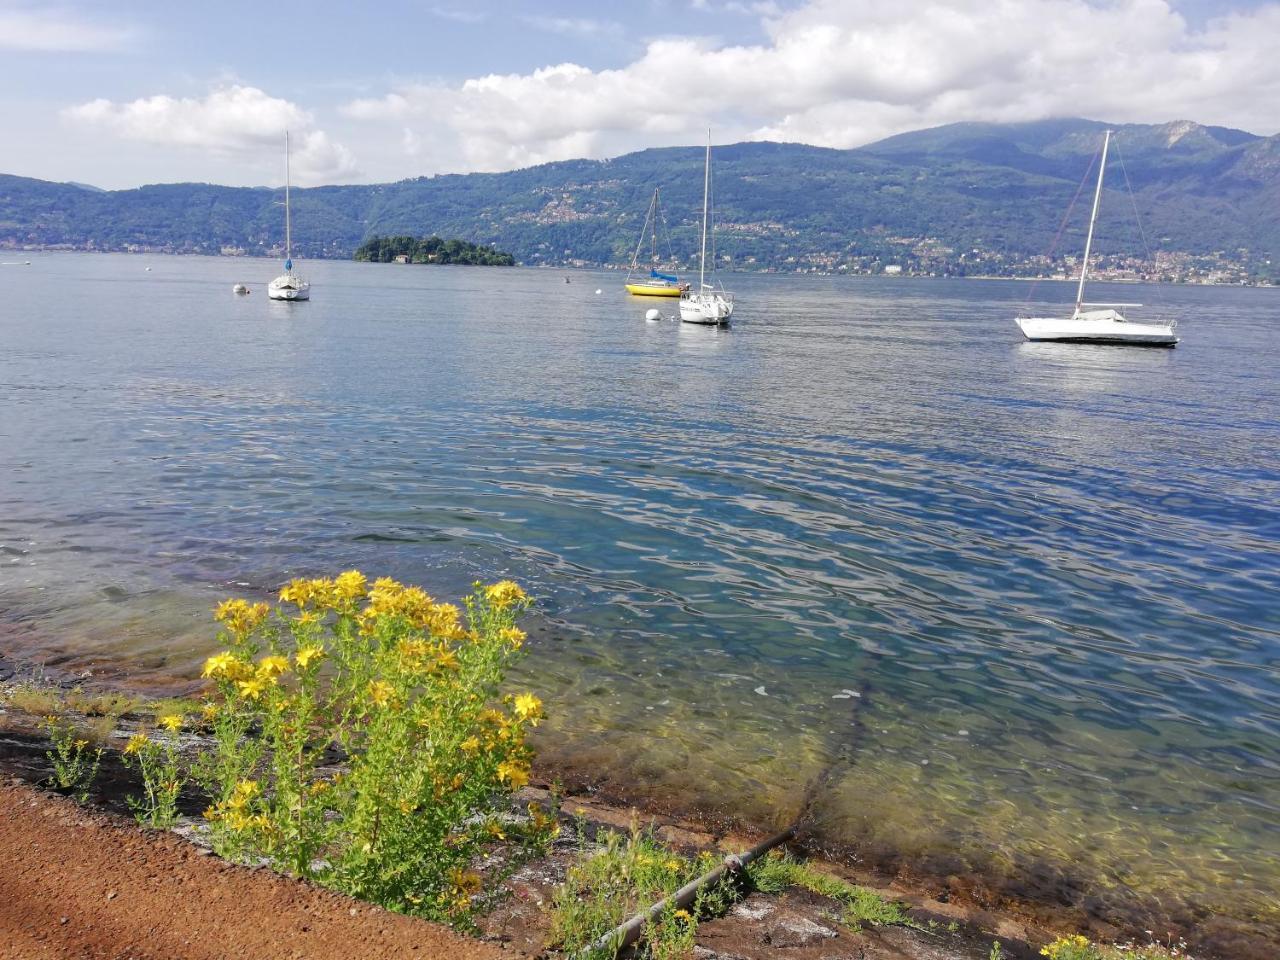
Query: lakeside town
x,y
905,257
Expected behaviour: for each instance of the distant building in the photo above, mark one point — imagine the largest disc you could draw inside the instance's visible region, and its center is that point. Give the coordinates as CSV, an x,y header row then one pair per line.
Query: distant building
x,y
402,258
893,268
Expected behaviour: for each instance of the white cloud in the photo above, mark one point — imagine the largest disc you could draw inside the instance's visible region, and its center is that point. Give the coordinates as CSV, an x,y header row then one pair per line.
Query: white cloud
x,y
237,121
842,73
56,30
459,14
573,26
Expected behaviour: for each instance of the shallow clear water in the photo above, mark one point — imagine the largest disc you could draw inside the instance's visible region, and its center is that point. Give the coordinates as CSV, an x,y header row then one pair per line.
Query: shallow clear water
x,y
961,600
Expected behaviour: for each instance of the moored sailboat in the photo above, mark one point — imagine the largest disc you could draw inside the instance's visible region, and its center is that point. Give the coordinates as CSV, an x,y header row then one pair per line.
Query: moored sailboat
x,y
709,304
1098,322
288,286
656,284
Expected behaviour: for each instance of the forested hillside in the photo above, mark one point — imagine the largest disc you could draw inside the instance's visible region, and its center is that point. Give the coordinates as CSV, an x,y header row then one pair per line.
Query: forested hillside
x,y
954,199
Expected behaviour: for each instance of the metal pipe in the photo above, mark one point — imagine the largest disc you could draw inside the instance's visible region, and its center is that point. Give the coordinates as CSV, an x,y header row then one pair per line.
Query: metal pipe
x,y
625,934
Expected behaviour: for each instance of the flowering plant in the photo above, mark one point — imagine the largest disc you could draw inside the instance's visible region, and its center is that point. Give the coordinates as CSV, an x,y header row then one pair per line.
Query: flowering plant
x,y
361,739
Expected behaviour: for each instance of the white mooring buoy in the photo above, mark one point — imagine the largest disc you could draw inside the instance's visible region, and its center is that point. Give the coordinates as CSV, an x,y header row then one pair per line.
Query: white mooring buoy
x,y
653,314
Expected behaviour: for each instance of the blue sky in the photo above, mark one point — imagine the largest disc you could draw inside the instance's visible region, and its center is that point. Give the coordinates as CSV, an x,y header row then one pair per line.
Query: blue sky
x,y
135,92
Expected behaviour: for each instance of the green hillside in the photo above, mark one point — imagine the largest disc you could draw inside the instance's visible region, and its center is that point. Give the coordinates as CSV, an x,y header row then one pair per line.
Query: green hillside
x,y
927,200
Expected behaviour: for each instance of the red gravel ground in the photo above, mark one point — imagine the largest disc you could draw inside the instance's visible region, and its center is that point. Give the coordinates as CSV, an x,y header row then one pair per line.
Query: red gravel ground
x,y
79,884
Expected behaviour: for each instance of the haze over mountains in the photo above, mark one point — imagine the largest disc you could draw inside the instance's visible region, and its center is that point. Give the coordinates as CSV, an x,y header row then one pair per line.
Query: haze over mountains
x,y
928,198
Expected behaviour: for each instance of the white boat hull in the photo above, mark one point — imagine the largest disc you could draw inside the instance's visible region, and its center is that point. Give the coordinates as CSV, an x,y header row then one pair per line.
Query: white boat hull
x,y
289,288
709,308
1112,330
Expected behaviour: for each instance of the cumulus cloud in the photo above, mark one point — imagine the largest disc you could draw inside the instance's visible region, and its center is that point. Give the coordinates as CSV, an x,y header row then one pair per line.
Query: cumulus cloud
x,y
54,30
235,121
842,73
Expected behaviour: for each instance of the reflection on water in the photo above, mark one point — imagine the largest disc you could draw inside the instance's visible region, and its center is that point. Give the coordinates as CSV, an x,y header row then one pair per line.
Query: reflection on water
x,y
865,556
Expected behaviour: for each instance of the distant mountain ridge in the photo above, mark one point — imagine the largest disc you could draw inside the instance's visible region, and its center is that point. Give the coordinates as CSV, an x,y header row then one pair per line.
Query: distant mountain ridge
x,y
930,197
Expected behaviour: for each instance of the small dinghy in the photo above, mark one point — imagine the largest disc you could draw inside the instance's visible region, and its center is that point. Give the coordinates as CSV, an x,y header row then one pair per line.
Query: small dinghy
x,y
239,288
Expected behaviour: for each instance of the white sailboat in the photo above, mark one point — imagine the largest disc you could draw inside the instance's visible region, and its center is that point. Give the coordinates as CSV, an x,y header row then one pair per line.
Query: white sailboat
x,y
1098,322
708,304
288,286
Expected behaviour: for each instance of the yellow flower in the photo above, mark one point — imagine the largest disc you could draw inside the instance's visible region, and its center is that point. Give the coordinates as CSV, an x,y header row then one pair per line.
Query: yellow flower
x,y
239,616
350,585
513,774
1065,947
413,648
171,722
225,666
136,744
302,593
380,692
504,593
682,914
252,689
465,881
209,712
217,665
513,636
81,744
470,745
528,707
271,667
307,655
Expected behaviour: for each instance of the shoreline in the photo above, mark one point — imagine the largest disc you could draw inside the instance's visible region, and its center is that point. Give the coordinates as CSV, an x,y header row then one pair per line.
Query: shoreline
x,y
1030,904
615,268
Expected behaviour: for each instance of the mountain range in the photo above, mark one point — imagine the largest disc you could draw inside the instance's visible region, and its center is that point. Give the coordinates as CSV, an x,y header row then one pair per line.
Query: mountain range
x,y
987,192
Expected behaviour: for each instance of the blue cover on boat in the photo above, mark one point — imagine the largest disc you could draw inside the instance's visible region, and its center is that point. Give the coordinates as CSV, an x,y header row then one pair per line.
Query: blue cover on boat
x,y
663,276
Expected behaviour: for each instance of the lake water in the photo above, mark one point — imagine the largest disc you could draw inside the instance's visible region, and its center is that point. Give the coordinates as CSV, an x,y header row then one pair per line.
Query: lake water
x,y
970,606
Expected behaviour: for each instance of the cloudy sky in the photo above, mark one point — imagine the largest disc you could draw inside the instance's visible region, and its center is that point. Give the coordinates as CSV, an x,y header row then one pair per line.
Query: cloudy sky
x,y
142,91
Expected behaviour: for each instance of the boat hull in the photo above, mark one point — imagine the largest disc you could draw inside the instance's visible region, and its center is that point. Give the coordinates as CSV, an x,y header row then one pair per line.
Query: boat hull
x,y
712,309
1116,332
652,290
289,288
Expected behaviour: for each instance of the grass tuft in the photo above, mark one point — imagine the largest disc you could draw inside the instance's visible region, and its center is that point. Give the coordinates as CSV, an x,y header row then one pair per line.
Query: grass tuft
x,y
859,906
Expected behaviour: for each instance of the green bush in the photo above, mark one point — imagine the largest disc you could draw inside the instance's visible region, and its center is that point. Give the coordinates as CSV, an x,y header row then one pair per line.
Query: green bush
x,y
360,739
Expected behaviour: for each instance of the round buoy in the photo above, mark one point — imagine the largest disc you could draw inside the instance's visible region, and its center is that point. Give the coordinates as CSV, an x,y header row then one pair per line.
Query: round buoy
x,y
239,288
598,292
653,314
148,269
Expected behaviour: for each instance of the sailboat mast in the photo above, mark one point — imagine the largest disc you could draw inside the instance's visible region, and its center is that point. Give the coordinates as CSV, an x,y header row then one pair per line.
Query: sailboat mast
x,y
288,228
1093,218
706,194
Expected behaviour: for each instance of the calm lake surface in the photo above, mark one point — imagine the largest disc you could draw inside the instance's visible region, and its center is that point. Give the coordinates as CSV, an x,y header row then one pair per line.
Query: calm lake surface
x,y
960,600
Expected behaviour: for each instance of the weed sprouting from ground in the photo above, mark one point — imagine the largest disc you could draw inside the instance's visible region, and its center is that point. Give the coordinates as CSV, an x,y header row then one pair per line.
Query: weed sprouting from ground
x,y
1081,948
163,773
75,761
625,875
